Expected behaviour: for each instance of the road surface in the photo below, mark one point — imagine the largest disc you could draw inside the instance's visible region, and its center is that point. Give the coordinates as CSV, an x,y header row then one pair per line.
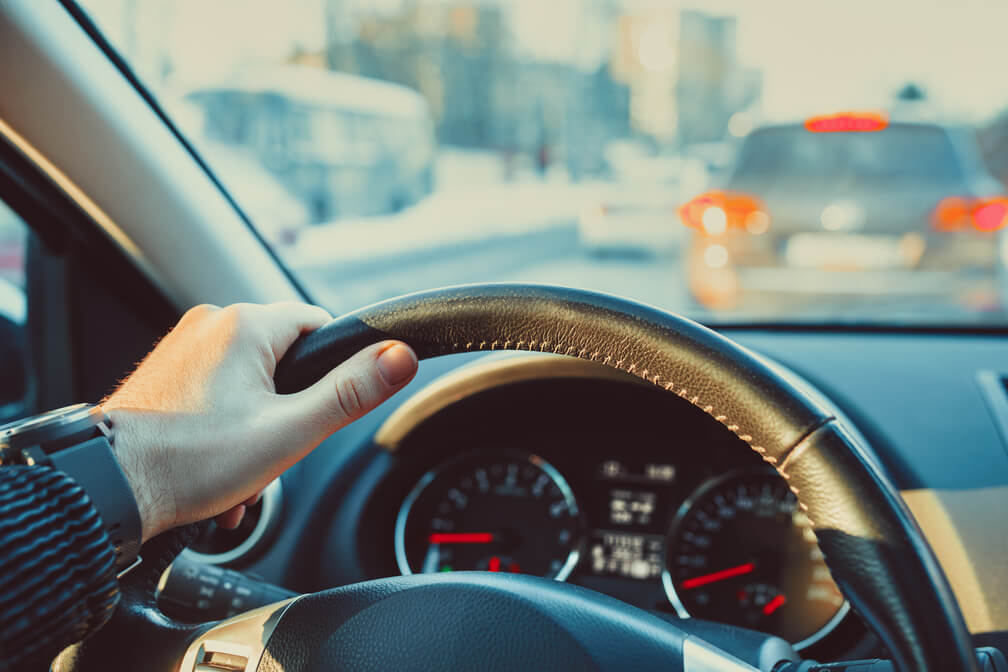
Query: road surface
x,y
552,255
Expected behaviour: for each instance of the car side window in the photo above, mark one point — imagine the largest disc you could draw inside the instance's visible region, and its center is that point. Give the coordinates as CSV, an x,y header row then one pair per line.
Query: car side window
x,y
14,368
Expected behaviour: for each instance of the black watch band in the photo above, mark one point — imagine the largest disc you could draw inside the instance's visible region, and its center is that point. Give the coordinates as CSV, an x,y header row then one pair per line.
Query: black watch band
x,y
77,440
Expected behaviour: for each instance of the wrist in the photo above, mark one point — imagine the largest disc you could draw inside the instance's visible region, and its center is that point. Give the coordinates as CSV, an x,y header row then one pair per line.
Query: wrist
x,y
133,447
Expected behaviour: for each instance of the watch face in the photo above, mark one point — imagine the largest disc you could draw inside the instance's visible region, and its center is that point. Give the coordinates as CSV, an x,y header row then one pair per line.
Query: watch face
x,y
52,426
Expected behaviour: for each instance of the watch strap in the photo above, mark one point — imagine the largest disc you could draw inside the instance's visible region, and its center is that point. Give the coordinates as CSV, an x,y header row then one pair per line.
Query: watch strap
x,y
94,466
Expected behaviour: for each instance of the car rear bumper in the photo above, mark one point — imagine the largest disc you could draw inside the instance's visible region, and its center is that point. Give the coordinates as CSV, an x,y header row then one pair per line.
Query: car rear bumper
x,y
741,274
917,282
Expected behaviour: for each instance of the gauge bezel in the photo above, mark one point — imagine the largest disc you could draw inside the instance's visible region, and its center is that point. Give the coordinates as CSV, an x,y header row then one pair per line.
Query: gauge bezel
x,y
573,557
684,509
269,518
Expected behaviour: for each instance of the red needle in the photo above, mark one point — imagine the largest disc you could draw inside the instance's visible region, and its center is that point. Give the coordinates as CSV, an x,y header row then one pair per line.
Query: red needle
x,y
494,564
461,538
698,581
774,604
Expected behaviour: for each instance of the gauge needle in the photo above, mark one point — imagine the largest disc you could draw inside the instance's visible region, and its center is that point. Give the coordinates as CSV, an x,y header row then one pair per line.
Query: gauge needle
x,y
703,580
461,538
774,604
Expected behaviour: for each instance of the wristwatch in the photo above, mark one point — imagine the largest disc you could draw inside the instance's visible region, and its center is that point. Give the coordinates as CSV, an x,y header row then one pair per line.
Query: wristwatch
x,y
77,440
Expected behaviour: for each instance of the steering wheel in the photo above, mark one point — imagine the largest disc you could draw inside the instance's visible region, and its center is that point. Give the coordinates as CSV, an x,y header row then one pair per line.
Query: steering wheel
x,y
872,545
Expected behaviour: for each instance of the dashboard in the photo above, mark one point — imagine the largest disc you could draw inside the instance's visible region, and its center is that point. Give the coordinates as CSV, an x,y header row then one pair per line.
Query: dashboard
x,y
562,468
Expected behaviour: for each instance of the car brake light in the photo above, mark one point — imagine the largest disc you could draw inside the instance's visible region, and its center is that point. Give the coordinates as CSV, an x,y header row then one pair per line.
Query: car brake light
x,y
956,213
847,122
717,212
991,215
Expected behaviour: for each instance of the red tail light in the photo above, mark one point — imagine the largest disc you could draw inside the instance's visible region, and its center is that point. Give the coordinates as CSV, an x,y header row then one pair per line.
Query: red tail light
x,y
847,122
991,215
983,214
718,212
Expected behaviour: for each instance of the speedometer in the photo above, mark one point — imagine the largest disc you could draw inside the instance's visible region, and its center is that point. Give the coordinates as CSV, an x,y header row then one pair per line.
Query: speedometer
x,y
741,552
493,512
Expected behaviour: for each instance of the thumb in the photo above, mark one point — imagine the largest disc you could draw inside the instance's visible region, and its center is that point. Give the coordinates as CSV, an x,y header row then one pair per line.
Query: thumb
x,y
352,389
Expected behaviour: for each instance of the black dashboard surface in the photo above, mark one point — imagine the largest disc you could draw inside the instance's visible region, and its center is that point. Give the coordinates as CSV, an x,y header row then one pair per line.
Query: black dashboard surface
x,y
915,397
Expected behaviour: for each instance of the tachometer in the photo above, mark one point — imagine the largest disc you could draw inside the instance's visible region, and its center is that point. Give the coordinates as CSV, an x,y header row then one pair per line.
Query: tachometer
x,y
499,513
741,552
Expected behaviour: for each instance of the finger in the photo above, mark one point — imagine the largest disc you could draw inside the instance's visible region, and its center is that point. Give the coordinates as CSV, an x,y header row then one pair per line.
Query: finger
x,y
253,500
283,323
231,518
352,389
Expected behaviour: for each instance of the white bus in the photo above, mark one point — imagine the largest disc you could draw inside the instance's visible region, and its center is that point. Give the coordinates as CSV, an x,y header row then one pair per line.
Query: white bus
x,y
348,146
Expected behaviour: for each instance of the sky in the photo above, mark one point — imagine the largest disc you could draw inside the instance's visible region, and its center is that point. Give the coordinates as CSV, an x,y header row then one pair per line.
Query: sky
x,y
815,54
824,53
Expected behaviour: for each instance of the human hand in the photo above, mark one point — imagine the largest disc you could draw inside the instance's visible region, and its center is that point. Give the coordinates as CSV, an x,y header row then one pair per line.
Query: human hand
x,y
200,429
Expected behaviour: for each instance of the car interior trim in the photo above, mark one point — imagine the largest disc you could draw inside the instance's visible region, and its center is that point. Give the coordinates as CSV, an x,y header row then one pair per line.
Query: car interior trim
x,y
148,183
492,371
81,199
237,644
699,656
85,22
995,393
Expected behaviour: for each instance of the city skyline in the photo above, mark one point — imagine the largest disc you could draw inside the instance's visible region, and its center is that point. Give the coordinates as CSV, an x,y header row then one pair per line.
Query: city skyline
x,y
823,56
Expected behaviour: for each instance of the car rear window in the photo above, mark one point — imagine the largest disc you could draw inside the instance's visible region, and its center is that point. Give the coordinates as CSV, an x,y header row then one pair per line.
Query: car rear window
x,y
898,152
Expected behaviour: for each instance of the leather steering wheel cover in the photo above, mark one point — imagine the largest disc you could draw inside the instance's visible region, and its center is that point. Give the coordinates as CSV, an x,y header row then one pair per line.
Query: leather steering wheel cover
x,y
872,544
672,352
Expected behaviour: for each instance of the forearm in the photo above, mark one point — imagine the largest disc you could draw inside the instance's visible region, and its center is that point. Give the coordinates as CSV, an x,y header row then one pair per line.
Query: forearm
x,y
57,568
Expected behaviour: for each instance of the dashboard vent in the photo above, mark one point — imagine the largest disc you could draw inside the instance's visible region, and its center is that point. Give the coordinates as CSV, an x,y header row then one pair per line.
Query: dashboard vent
x,y
994,387
217,546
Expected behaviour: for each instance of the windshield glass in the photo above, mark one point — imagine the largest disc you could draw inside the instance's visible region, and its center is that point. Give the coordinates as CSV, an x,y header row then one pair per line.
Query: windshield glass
x,y
779,161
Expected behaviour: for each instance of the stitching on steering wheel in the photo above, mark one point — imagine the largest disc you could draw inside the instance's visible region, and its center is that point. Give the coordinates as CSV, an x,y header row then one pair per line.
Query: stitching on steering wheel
x,y
656,380
572,351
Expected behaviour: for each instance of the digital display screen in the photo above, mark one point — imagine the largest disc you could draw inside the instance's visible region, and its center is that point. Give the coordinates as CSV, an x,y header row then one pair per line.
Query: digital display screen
x,y
629,556
630,512
631,507
646,472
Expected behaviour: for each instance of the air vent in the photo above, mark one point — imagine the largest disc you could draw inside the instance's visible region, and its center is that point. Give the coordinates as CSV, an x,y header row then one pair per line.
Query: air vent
x,y
217,546
994,386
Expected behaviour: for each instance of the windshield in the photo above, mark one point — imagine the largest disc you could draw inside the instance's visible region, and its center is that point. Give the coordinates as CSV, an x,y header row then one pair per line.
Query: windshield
x,y
774,162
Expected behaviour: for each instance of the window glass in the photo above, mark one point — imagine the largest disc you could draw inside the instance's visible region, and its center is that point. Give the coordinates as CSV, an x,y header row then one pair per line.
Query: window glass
x,y
13,313
747,161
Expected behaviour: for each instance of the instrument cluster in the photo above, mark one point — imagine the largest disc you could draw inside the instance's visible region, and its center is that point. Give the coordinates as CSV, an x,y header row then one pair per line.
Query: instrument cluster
x,y
735,550
605,483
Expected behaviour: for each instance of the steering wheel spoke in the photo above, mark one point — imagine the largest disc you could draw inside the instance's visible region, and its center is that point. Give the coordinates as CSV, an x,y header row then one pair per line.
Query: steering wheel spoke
x,y
237,644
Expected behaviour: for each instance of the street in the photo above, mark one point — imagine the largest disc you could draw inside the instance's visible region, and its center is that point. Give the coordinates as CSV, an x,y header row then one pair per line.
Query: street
x,y
355,283
552,256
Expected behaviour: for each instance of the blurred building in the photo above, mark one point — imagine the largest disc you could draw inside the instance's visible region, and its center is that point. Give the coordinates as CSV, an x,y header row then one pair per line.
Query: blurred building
x,y
684,76
483,92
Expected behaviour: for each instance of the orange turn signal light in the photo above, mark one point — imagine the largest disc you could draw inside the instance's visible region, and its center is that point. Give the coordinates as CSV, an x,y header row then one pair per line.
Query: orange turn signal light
x,y
717,212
